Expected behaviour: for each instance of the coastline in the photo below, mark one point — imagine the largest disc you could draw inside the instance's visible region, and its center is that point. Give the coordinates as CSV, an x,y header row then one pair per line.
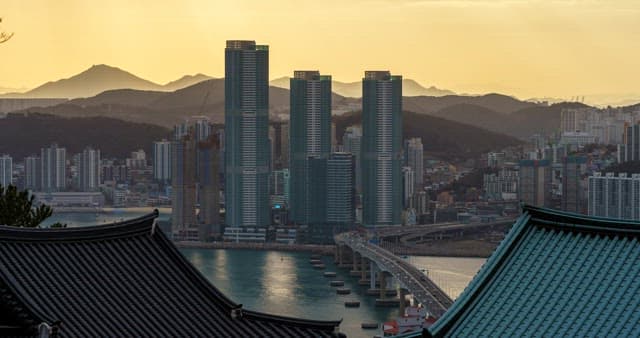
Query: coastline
x,y
325,250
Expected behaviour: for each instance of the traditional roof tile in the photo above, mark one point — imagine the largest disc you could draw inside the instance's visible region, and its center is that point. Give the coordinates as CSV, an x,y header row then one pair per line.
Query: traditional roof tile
x,y
125,279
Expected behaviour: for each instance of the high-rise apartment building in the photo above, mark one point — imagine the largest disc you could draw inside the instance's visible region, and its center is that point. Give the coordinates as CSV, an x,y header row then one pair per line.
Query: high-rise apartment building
x,y
632,143
89,170
247,153
183,184
574,184
53,168
310,136
162,161
408,186
614,196
209,187
535,182
351,143
381,148
6,170
414,152
32,173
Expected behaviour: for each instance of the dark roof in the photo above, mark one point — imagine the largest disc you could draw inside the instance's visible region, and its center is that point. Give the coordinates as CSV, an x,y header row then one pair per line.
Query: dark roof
x,y
125,279
555,274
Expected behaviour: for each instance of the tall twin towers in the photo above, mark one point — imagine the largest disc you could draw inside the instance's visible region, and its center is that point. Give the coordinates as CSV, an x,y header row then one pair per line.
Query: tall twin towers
x,y
247,149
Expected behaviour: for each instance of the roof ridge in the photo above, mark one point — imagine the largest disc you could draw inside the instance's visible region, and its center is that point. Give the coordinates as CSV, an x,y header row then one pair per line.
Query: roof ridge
x,y
126,228
573,221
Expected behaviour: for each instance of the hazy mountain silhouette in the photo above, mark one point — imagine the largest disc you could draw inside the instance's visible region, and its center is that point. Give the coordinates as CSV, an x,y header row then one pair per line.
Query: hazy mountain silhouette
x,y
100,78
186,81
354,89
496,102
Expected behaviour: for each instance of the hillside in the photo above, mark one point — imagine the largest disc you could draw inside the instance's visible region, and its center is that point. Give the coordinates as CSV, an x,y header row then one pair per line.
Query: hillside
x,y
497,102
441,138
22,136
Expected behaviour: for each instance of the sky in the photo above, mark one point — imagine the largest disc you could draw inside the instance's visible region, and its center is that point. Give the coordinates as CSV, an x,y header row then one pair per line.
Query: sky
x,y
546,48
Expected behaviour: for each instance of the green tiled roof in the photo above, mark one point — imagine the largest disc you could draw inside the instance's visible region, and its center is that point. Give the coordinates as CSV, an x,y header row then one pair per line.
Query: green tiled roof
x,y
555,274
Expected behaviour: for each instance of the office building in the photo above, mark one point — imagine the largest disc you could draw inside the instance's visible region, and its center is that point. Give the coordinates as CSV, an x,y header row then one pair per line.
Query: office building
x,y
53,168
89,170
616,197
381,148
6,170
247,153
310,136
414,152
162,161
574,184
535,182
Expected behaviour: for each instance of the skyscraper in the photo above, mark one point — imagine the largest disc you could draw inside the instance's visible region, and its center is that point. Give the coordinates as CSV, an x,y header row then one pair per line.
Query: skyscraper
x,y
162,161
208,181
408,186
183,184
89,170
414,152
310,136
381,148
6,170
32,173
53,164
247,134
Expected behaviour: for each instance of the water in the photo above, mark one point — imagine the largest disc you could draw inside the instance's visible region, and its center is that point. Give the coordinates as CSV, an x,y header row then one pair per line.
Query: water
x,y
284,283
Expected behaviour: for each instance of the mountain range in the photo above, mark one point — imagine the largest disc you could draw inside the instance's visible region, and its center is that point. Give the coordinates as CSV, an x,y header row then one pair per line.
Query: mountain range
x,y
354,89
100,78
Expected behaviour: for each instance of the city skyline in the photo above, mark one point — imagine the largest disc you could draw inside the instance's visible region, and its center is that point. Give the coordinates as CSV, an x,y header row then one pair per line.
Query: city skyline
x,y
466,46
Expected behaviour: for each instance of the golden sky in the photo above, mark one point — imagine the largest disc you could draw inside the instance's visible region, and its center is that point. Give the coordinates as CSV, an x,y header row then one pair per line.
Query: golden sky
x,y
557,48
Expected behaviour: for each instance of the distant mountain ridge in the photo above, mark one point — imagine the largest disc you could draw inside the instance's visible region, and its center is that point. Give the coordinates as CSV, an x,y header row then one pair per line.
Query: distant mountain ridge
x,y
100,78
354,89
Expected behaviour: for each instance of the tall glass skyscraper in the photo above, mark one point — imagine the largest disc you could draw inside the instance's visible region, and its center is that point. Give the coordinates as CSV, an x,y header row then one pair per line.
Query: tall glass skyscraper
x,y
310,137
381,148
247,152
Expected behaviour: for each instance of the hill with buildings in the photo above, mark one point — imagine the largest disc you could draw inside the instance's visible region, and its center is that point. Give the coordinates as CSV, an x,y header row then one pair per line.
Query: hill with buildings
x,y
441,138
24,135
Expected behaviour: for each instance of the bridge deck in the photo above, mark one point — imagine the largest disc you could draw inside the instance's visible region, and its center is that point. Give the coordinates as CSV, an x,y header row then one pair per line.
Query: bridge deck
x,y
424,290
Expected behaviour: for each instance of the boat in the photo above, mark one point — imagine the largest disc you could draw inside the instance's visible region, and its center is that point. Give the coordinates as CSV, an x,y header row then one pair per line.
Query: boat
x,y
414,319
329,274
343,291
336,283
353,303
369,325
319,266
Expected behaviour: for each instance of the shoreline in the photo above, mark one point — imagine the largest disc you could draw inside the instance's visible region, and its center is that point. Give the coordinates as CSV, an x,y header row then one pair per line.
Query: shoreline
x,y
325,250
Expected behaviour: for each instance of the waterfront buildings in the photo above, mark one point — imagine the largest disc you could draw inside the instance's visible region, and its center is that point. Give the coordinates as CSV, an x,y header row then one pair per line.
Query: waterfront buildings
x,y
247,151
381,148
162,161
310,137
535,182
6,170
53,168
351,143
616,197
89,169
209,190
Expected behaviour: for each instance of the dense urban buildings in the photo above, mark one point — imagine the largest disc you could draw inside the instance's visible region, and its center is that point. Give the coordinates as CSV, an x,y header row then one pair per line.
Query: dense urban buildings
x,y
381,148
615,197
247,151
89,170
310,137
574,187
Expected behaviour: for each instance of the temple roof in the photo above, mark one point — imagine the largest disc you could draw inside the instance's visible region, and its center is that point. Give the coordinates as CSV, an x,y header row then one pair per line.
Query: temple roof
x,y
555,274
124,279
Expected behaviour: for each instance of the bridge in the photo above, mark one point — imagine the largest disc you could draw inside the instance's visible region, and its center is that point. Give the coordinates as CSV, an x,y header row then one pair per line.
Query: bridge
x,y
381,263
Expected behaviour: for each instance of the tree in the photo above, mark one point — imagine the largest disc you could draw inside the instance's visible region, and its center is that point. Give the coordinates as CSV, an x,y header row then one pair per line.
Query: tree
x,y
17,209
4,37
